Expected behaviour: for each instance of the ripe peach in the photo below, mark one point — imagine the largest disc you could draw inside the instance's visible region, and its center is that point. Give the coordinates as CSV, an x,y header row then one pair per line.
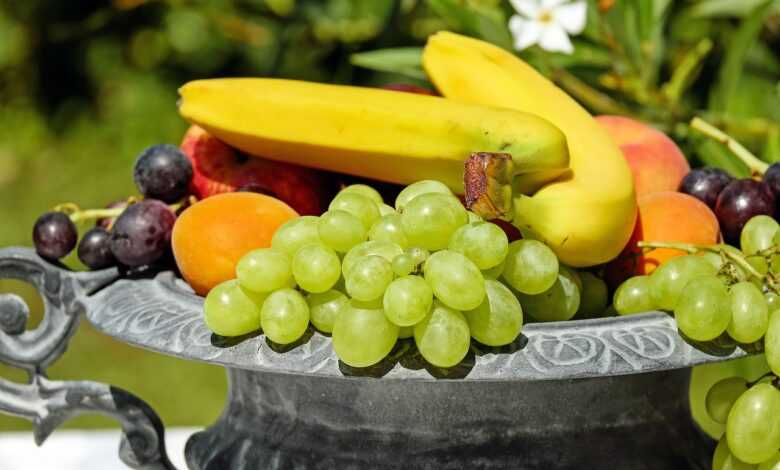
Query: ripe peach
x,y
663,217
655,160
210,236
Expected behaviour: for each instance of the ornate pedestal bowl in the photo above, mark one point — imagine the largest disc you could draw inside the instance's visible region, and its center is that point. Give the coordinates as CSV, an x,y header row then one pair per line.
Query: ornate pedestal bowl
x,y
603,393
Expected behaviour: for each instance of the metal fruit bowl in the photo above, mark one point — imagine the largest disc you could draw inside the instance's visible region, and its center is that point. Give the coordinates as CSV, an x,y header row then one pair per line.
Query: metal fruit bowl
x,y
608,392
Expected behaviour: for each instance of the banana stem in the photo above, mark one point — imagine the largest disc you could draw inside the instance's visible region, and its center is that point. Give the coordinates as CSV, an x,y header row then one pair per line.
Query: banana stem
x,y
755,165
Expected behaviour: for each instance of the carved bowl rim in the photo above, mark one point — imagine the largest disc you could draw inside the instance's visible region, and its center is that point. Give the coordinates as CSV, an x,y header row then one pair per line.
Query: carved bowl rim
x,y
163,315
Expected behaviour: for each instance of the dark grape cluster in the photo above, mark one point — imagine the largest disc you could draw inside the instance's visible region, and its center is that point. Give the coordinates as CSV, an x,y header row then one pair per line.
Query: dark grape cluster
x,y
128,233
734,201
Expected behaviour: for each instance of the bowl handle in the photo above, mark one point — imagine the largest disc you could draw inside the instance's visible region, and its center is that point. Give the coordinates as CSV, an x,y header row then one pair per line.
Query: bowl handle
x,y
49,403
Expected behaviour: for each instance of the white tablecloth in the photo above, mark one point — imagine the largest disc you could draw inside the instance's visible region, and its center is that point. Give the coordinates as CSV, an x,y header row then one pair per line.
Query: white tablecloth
x,y
78,450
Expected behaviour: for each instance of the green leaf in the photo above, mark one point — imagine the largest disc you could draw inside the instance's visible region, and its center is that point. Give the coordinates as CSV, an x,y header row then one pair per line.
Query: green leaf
x,y
405,61
726,8
713,154
731,69
772,146
481,21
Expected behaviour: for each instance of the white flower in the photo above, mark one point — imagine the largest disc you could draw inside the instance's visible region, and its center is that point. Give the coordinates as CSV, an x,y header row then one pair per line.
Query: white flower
x,y
547,22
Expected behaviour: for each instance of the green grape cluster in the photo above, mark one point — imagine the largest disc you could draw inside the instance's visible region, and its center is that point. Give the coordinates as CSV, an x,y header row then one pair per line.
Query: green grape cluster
x,y
715,291
729,294
369,274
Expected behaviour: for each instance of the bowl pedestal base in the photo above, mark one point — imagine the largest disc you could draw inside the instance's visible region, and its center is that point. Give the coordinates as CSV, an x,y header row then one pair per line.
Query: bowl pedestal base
x,y
292,421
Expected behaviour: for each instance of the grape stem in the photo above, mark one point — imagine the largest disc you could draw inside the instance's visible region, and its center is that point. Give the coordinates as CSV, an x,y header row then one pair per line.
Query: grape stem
x,y
734,257
77,214
755,165
768,374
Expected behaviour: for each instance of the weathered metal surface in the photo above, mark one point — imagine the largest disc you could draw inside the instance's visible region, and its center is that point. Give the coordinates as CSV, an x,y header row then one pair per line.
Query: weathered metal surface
x,y
47,403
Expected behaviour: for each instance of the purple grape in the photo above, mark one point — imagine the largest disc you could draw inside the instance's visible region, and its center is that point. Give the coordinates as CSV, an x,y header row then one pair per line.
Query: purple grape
x,y
54,235
163,172
142,233
705,184
94,250
738,203
772,178
106,222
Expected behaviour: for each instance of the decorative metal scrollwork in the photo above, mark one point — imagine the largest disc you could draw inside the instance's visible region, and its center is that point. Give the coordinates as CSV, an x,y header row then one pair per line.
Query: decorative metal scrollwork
x,y
49,403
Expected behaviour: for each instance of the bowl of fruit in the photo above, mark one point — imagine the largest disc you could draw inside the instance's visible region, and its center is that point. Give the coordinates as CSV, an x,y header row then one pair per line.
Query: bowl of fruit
x,y
396,279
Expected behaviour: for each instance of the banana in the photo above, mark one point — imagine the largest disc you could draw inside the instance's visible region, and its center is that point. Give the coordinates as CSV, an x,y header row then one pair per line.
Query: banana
x,y
381,134
586,216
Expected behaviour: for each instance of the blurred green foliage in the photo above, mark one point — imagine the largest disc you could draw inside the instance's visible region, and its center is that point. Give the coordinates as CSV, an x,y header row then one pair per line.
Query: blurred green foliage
x,y
86,85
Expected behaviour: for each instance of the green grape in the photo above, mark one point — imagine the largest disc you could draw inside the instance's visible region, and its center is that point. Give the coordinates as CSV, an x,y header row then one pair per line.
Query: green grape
x,y
495,272
772,343
722,396
559,302
284,316
385,209
429,220
482,242
723,459
407,300
772,464
753,427
416,189
443,337
405,332
634,296
772,301
758,234
531,267
368,278
316,268
498,319
474,217
362,335
388,229
749,313
324,308
403,264
386,250
364,190
702,311
455,280
759,263
593,296
717,259
358,205
231,310
419,255
265,270
341,230
295,233
670,278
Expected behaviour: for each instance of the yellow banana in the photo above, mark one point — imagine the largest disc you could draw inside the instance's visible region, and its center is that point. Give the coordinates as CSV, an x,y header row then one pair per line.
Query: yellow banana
x,y
587,216
387,135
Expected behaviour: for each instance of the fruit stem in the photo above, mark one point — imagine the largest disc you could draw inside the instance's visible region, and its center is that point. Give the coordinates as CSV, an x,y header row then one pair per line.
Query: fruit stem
x,y
77,215
750,384
755,165
91,214
693,249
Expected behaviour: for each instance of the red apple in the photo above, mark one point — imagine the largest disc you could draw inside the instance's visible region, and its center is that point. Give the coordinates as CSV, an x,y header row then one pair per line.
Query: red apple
x,y
218,168
655,160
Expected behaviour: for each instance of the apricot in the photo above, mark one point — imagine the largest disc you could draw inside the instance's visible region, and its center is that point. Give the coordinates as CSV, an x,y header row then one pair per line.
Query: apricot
x,y
663,217
656,162
210,236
